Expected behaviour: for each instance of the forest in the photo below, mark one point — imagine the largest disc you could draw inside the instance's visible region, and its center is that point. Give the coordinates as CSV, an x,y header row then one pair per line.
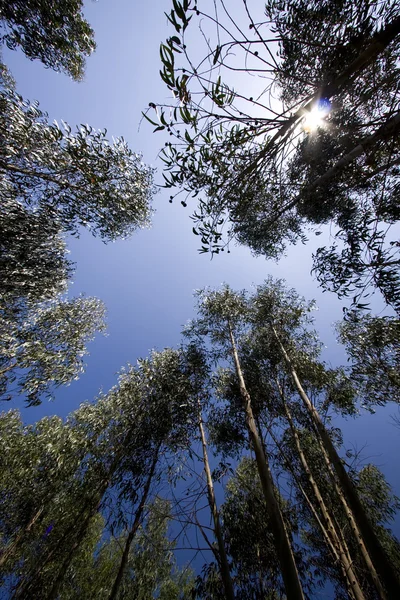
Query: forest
x,y
218,464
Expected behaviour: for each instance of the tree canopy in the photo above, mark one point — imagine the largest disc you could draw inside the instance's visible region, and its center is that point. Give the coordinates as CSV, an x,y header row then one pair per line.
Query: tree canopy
x,y
55,33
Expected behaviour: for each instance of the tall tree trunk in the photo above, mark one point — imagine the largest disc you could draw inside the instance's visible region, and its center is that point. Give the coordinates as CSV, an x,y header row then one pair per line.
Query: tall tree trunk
x,y
282,543
343,558
13,545
54,592
326,536
223,560
373,550
134,528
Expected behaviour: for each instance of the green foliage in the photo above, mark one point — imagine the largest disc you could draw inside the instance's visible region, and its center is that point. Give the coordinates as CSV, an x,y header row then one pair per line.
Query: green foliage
x,y
33,262
260,176
56,33
372,344
46,350
248,534
78,179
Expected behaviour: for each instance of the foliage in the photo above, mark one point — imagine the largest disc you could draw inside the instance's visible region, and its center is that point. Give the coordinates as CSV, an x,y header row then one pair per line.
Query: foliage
x,y
261,174
248,534
56,33
46,349
372,345
33,262
78,179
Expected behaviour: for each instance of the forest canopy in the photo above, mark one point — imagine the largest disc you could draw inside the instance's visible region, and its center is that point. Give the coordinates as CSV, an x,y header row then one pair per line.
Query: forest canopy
x,y
224,463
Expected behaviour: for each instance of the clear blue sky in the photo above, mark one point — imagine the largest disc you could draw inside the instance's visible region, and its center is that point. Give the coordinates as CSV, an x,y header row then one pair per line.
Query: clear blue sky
x,y
147,282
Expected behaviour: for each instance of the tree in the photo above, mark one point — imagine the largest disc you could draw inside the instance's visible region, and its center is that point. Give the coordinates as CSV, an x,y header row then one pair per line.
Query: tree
x,y
372,345
264,174
46,350
281,316
249,536
221,317
55,33
33,262
78,179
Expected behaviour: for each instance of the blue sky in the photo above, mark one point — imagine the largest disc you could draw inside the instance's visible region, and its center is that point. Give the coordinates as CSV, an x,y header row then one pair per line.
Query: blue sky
x,y
147,282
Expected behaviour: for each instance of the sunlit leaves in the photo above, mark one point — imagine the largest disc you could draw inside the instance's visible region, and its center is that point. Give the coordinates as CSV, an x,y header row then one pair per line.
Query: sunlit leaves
x,y
80,178
54,32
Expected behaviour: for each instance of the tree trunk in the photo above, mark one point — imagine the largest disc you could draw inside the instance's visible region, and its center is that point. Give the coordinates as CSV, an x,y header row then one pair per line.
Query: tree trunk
x,y
223,560
9,551
282,543
54,592
328,528
348,493
134,528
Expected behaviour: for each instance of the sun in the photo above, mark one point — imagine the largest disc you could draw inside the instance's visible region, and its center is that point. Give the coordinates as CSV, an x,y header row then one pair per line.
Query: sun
x,y
315,118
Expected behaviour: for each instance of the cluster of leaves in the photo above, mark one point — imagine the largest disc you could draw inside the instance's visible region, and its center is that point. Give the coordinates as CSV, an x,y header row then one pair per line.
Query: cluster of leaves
x,y
55,33
260,178
54,181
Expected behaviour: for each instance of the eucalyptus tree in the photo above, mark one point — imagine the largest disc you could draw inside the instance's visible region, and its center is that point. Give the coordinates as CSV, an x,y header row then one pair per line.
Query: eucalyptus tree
x,y
271,412
165,389
334,549
39,477
33,257
280,318
372,345
105,432
80,178
198,369
46,349
267,169
249,535
222,317
56,33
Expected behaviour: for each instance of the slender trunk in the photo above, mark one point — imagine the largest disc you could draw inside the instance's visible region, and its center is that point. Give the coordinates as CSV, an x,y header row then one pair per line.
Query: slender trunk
x,y
54,592
357,536
322,527
133,530
9,551
282,543
334,539
369,543
223,560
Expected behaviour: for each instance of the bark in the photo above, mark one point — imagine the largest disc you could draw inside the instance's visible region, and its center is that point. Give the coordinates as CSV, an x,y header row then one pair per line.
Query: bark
x,y
380,567
328,529
282,543
223,560
135,526
10,550
54,592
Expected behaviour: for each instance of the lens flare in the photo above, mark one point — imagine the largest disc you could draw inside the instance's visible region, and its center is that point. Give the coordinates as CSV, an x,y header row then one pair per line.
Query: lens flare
x,y
315,118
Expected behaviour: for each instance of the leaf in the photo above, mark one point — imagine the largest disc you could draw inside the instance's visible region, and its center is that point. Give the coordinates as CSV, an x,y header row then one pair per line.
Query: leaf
x,y
217,55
